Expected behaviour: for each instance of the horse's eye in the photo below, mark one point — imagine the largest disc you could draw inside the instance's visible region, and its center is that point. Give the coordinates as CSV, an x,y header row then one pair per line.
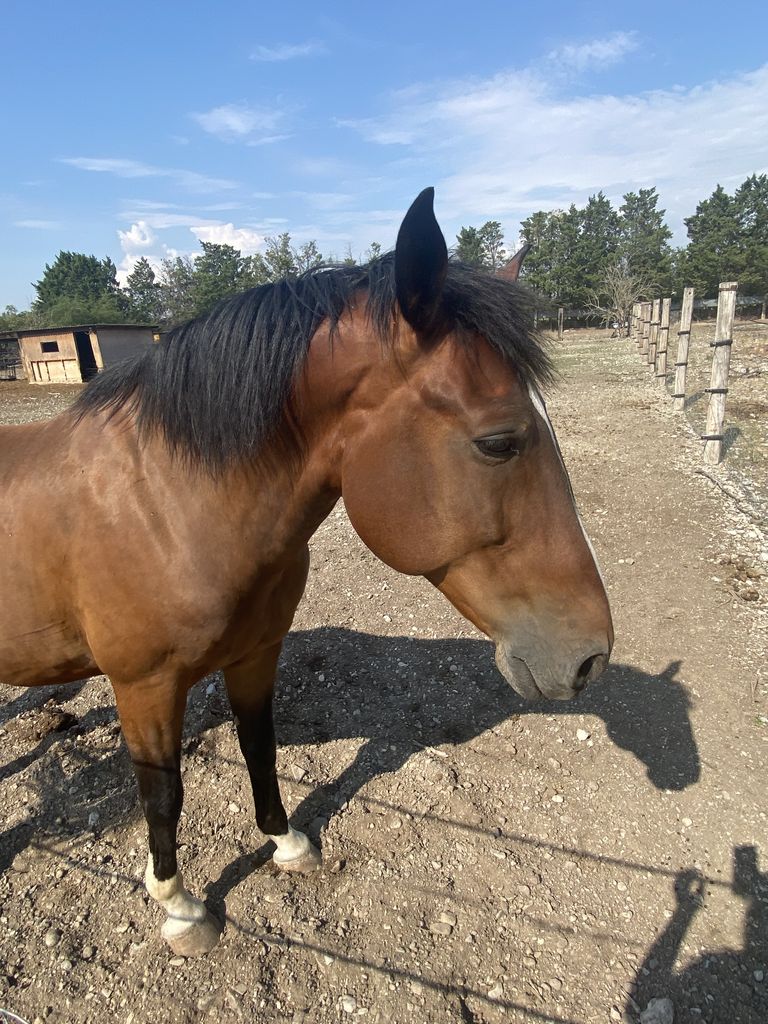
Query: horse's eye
x,y
500,446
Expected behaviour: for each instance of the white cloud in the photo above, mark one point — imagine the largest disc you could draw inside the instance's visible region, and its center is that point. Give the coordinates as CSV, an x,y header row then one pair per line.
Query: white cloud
x,y
287,51
191,181
38,225
598,53
515,143
240,121
245,240
138,236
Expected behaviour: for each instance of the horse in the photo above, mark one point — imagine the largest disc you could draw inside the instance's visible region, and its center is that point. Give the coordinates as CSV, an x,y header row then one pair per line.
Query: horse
x,y
157,530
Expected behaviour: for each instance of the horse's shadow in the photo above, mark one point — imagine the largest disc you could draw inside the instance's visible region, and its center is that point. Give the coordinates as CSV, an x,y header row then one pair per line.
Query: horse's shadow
x,y
402,694
399,694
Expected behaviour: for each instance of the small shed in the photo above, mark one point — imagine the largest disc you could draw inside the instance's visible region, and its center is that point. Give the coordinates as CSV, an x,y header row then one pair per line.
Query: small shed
x,y
74,354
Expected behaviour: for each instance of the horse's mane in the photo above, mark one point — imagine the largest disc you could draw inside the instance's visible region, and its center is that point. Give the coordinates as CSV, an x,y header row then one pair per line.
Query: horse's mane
x,y
220,387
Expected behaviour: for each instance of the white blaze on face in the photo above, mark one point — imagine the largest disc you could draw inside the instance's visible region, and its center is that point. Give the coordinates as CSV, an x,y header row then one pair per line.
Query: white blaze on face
x,y
541,409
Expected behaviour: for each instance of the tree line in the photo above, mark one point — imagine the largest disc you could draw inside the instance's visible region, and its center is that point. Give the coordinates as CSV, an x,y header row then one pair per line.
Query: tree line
x,y
579,255
593,258
78,289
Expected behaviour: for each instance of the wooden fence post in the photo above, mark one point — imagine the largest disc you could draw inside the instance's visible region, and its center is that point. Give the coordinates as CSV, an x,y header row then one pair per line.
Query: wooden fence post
x,y
661,355
653,336
645,316
721,361
560,313
683,343
634,324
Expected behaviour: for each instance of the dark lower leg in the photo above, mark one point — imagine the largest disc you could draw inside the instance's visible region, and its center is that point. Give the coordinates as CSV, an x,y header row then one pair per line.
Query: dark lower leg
x,y
255,731
161,794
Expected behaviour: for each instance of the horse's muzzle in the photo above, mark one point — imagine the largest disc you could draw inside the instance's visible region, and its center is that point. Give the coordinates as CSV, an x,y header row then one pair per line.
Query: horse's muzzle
x,y
538,675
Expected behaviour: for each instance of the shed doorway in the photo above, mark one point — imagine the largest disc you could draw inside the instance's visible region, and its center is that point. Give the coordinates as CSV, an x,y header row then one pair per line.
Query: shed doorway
x,y
85,355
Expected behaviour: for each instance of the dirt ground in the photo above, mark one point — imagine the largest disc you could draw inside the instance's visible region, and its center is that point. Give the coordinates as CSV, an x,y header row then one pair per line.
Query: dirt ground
x,y
485,860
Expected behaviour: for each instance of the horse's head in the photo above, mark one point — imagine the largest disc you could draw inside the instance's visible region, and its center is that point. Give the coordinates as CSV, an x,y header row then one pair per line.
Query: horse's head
x,y
451,469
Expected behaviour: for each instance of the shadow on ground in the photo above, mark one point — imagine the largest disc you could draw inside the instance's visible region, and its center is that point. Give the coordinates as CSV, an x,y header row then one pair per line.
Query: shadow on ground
x,y
400,694
719,986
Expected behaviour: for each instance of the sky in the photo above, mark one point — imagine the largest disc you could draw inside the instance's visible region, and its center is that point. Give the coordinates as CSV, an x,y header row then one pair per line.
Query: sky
x,y
145,129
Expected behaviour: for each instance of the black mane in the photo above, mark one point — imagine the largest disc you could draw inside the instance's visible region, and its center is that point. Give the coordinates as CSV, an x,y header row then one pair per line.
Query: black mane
x,y
220,387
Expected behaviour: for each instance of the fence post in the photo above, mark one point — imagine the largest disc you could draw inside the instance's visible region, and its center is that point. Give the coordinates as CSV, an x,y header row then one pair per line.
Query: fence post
x,y
661,355
645,316
560,313
634,323
683,343
721,361
653,336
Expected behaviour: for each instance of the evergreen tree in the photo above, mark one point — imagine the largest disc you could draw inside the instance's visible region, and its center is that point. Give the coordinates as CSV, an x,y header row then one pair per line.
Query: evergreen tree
x,y
374,252
176,278
644,238
492,244
76,288
143,291
541,230
751,207
469,247
596,246
714,249
218,275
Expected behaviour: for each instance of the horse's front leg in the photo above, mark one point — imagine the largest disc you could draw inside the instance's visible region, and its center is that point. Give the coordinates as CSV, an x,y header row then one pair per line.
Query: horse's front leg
x,y
151,714
250,687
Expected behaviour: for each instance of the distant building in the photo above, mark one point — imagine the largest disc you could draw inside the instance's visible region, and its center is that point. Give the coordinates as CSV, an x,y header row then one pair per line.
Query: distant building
x,y
74,354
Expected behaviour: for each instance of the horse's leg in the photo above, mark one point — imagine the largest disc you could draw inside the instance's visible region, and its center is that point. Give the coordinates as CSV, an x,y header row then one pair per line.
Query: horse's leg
x,y
151,714
250,687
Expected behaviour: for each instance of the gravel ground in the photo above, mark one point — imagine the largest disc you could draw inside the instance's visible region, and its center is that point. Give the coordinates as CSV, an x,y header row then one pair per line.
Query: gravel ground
x,y
485,860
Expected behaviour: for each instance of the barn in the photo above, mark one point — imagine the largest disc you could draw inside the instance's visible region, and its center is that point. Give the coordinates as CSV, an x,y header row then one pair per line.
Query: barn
x,y
75,354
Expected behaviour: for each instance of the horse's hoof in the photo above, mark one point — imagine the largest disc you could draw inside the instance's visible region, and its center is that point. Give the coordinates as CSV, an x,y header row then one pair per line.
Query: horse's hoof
x,y
196,940
307,862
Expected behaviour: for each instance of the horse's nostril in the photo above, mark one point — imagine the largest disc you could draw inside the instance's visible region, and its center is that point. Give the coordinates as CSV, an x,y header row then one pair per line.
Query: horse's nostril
x,y
585,668
589,670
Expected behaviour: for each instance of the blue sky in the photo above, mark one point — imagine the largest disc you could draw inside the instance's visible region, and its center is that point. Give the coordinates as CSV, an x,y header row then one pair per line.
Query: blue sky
x,y
144,129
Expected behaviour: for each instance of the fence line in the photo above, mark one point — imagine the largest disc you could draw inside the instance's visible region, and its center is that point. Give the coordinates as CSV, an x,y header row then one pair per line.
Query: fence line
x,y
649,330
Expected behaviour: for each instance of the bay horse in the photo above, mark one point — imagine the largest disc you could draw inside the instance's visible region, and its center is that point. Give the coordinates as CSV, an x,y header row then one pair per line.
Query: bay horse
x,y
157,530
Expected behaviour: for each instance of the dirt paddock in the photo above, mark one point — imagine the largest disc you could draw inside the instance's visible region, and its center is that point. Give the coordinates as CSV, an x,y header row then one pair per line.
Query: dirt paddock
x,y
484,860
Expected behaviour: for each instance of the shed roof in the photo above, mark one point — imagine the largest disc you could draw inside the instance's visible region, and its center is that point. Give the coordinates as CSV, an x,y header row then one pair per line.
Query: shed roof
x,y
85,327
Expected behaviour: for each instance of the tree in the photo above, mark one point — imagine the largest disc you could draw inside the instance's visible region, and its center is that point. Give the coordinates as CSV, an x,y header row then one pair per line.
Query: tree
x,y
279,257
307,256
619,289
218,275
713,252
751,207
176,278
492,244
143,292
597,243
469,247
78,288
373,253
644,238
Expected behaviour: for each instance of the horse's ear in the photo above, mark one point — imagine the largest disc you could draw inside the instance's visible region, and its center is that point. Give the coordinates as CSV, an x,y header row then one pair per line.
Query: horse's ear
x,y
421,263
511,271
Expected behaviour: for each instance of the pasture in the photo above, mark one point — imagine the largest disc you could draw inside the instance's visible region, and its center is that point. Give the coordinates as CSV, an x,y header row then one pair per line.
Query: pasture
x,y
485,860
